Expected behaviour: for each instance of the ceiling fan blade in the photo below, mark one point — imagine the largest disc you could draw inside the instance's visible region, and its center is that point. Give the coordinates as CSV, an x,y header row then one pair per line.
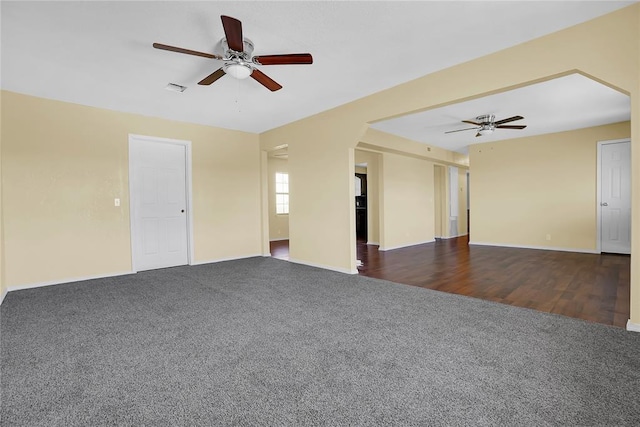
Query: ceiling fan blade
x,y
233,31
478,134
187,51
291,58
265,80
460,130
511,126
510,119
472,123
212,77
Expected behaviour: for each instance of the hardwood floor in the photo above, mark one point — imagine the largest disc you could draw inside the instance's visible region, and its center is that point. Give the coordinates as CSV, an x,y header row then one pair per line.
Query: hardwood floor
x,y
585,286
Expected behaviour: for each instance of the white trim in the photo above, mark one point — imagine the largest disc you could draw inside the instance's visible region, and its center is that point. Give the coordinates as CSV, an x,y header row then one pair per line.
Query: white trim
x,y
405,246
189,193
4,294
326,267
599,188
543,248
373,243
453,237
598,196
212,261
633,327
279,240
68,280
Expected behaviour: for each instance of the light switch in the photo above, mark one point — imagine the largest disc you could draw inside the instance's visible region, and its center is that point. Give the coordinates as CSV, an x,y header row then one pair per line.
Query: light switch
x,y
116,202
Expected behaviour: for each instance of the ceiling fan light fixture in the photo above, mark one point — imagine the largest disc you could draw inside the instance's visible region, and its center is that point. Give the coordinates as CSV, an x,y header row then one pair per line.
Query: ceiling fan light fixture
x,y
485,131
239,71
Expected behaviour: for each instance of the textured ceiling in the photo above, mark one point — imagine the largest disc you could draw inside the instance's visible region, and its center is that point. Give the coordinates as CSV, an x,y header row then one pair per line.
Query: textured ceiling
x,y
100,54
566,103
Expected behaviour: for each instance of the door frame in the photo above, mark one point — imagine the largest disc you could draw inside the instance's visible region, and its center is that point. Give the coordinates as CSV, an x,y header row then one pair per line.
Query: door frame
x,y
188,193
599,188
440,200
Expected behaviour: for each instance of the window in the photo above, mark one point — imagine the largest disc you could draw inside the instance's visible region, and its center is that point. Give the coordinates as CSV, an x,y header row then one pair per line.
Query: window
x,y
282,193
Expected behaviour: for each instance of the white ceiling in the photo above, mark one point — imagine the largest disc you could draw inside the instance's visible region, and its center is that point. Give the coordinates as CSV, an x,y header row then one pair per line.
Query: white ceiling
x,y
100,54
565,103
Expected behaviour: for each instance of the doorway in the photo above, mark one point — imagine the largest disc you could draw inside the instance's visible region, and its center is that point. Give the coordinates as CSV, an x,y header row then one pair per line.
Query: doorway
x,y
614,196
159,190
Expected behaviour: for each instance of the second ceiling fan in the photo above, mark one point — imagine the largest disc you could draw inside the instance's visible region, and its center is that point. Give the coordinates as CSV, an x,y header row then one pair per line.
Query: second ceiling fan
x,y
487,124
237,58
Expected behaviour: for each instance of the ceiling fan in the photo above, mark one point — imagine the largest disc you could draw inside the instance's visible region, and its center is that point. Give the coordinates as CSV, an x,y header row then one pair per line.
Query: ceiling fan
x,y
486,124
237,58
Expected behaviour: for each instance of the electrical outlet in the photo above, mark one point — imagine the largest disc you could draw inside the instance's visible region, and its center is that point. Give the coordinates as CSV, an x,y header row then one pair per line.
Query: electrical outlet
x,y
116,202
548,236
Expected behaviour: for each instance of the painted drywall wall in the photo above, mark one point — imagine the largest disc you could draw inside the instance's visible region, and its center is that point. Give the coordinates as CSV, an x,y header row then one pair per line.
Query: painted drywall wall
x,y
606,48
408,201
385,142
462,201
62,166
373,193
527,190
321,170
278,224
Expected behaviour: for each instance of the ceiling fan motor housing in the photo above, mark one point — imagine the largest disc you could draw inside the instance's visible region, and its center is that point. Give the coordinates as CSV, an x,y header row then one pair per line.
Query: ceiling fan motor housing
x,y
487,118
238,64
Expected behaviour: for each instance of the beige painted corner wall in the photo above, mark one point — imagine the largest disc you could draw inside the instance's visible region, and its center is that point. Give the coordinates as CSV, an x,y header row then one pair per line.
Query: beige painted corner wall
x,y
527,188
278,224
62,166
407,206
322,204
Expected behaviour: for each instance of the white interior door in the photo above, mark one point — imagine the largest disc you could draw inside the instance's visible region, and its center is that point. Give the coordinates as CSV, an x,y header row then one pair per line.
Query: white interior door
x,y
159,204
615,197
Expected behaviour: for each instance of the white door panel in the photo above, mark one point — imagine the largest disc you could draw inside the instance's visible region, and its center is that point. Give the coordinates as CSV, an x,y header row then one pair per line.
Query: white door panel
x,y
159,202
615,197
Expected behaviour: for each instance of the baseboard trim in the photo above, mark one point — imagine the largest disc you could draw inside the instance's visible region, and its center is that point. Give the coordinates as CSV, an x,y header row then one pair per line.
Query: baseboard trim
x,y
405,246
69,280
373,243
4,294
633,327
543,248
326,267
278,240
453,237
212,261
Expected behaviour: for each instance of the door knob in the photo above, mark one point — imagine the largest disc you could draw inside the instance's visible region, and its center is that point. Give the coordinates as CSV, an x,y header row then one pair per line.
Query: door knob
x,y
604,204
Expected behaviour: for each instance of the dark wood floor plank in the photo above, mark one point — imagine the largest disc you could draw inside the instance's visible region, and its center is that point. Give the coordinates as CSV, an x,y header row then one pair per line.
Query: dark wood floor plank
x,y
585,286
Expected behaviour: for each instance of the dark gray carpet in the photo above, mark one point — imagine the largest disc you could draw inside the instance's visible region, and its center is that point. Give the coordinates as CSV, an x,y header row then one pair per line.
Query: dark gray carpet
x,y
265,342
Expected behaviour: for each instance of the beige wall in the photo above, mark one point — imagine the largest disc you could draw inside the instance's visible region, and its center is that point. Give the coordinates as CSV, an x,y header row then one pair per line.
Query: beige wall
x,y
62,166
462,201
389,143
527,188
278,224
408,201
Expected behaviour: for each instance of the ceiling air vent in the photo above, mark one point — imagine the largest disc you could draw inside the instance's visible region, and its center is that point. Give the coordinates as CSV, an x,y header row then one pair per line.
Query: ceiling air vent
x,y
175,88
